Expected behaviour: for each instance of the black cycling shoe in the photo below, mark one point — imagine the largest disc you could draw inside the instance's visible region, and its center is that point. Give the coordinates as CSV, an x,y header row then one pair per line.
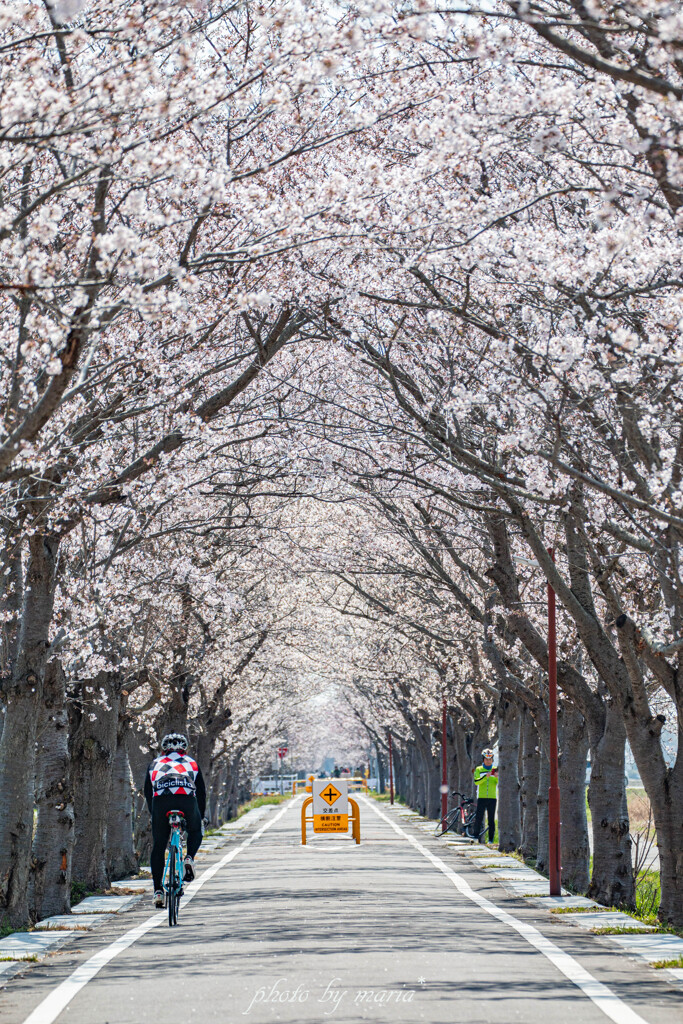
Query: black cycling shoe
x,y
189,870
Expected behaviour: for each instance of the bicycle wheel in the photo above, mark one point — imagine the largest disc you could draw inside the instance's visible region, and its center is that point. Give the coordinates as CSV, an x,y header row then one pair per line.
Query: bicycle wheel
x,y
448,823
172,886
469,828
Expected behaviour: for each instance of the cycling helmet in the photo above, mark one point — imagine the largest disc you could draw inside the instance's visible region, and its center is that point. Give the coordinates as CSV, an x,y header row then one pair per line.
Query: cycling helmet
x,y
487,752
174,741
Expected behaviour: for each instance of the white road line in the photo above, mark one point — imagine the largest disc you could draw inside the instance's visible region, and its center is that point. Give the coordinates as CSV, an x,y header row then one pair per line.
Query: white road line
x,y
53,1004
600,994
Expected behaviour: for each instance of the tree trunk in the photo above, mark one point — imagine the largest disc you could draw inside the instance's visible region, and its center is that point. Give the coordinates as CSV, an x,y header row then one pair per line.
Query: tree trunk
x,y
213,807
509,821
466,753
11,602
531,761
54,835
204,745
542,860
224,808
452,779
93,752
231,792
139,757
664,787
572,779
23,697
612,882
433,771
380,769
415,780
121,857
400,773
669,824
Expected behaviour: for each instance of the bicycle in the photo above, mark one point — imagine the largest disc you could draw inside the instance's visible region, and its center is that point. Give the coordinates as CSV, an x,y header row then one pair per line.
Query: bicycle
x,y
172,882
460,819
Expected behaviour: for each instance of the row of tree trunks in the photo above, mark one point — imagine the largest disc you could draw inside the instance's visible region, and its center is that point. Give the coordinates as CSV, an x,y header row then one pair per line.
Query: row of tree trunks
x,y
95,715
611,838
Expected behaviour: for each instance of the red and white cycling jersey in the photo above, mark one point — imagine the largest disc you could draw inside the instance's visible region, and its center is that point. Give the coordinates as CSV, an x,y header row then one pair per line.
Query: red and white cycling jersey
x,y
173,773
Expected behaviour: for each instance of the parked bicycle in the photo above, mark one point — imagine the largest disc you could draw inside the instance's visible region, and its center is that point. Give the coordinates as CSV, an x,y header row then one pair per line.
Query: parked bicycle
x,y
460,819
172,883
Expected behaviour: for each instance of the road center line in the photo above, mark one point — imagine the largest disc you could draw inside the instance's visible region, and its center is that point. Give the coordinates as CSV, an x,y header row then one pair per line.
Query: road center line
x,y
53,1004
600,994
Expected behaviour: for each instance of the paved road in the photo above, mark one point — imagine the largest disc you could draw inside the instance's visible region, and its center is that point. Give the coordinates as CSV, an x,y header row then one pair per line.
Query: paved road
x,y
333,931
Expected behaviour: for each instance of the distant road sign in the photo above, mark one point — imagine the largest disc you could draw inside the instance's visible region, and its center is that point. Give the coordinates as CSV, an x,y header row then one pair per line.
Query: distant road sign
x,y
330,805
282,751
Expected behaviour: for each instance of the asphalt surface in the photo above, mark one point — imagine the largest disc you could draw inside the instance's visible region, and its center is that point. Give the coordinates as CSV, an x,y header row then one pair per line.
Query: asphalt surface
x,y
335,931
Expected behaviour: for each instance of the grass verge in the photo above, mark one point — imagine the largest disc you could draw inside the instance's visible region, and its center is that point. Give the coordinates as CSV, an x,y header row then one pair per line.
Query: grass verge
x,y
648,896
577,910
80,891
385,798
7,929
678,962
616,930
261,801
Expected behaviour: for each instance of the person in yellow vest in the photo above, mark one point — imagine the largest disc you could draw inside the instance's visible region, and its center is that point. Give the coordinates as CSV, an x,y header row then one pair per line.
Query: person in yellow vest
x,y
486,781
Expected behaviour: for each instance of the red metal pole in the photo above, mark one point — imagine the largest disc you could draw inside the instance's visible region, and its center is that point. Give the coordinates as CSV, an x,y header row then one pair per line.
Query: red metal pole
x,y
391,772
444,763
554,824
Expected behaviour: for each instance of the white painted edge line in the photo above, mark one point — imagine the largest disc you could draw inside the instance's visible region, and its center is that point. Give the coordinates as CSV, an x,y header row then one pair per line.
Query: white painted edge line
x,y
603,997
53,1004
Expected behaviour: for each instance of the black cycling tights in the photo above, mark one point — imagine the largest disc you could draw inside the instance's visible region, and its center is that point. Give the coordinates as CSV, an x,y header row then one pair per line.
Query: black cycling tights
x,y
161,829
485,805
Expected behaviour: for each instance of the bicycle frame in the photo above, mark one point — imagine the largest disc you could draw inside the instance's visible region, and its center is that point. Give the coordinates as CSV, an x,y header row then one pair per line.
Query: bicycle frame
x,y
174,842
460,818
174,887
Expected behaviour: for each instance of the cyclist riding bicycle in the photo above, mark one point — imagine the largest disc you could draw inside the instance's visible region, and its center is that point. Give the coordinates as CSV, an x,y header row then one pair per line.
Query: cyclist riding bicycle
x,y
174,782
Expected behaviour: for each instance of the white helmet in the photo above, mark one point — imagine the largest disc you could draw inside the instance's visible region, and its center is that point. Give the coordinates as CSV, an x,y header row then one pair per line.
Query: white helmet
x,y
174,741
487,752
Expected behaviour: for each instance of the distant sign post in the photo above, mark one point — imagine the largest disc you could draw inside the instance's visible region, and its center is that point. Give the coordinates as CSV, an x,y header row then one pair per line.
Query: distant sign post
x,y
330,805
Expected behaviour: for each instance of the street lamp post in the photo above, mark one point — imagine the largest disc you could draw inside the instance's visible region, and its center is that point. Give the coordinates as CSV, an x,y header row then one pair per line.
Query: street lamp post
x,y
554,823
444,763
391,770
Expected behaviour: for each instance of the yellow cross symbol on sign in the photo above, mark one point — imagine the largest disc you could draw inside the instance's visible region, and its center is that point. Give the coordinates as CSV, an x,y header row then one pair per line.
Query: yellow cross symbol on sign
x,y
331,794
